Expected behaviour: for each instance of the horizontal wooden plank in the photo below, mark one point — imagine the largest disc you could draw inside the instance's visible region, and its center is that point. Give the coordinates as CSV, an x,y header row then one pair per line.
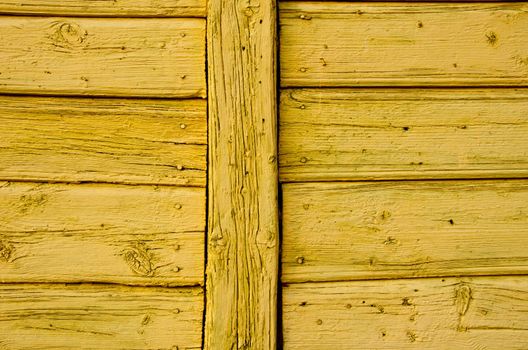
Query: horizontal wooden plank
x,y
341,231
137,235
43,317
119,8
467,313
353,44
103,140
347,134
103,56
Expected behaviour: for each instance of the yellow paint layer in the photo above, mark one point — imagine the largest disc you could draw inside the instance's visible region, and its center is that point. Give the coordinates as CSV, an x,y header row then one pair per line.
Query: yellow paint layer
x,y
451,313
137,235
243,223
86,317
342,231
103,56
103,140
121,8
346,134
353,44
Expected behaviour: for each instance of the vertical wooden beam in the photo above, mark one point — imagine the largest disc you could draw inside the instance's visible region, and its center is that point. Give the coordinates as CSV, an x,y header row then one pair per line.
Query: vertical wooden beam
x,y
242,269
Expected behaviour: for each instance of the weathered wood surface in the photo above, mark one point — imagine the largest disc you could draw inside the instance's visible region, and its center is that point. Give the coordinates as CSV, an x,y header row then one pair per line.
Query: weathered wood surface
x,y
352,44
103,140
114,8
103,56
137,235
467,313
86,317
242,268
346,134
341,231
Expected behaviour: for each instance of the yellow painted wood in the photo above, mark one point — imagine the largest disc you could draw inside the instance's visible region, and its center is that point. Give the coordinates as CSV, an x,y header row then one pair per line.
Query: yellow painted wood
x,y
451,313
242,267
352,44
103,56
137,235
346,134
86,317
119,8
341,231
103,140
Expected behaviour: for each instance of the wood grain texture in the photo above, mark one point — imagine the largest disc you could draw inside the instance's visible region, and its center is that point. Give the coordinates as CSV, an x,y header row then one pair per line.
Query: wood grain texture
x,y
101,8
86,317
353,44
103,140
347,134
466,313
242,268
137,235
342,231
103,56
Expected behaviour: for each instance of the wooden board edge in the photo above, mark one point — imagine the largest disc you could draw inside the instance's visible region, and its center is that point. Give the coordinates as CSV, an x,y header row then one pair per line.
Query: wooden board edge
x,y
196,11
286,177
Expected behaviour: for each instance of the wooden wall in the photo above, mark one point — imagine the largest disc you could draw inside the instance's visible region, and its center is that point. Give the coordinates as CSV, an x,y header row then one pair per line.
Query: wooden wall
x,y
103,145
403,159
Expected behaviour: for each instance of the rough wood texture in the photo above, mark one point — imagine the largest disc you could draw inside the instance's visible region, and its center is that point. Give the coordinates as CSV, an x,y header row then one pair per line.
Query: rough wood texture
x,y
467,313
138,235
120,8
404,229
103,56
345,134
351,44
44,317
103,140
243,216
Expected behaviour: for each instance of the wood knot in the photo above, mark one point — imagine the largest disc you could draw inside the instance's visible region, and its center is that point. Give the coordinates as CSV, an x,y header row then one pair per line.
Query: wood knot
x,y
248,11
139,259
406,302
28,202
522,61
411,336
6,251
381,309
463,298
491,38
390,241
68,35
